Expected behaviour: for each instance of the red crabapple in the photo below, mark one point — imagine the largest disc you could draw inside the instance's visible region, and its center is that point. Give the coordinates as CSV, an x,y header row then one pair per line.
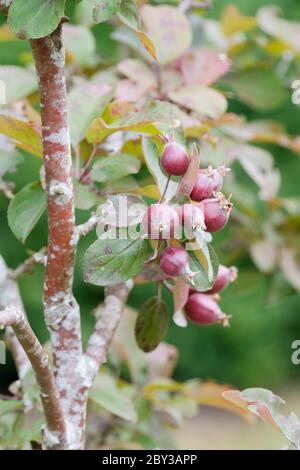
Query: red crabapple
x,y
204,186
192,218
175,159
161,222
174,261
204,310
216,212
224,277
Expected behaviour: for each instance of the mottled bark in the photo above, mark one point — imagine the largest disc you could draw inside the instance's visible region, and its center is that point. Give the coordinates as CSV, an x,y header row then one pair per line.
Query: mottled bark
x,y
61,309
54,434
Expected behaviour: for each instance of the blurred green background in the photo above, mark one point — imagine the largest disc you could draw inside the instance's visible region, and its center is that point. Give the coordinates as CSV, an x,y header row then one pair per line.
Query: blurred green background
x,y
256,349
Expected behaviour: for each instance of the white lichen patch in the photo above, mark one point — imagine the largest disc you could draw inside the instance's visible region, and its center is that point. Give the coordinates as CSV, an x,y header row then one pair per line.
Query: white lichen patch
x,y
51,439
61,137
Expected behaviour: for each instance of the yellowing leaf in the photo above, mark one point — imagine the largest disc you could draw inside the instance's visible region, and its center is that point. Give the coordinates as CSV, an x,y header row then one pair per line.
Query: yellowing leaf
x,y
233,21
99,130
23,134
144,120
149,191
269,407
147,43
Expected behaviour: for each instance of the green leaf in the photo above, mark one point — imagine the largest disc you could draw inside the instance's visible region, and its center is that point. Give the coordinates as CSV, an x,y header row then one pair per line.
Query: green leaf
x,y
28,427
151,324
114,167
152,160
6,406
25,210
9,161
204,262
80,41
128,14
106,393
86,101
34,19
84,198
111,261
104,9
19,82
261,89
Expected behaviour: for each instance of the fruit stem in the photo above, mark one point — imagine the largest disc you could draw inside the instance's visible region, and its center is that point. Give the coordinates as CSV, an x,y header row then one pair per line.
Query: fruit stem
x,y
165,190
159,290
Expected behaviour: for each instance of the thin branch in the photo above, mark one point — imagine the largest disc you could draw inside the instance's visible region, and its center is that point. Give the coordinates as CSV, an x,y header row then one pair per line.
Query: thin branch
x,y
165,190
10,294
54,435
85,228
36,258
88,162
109,316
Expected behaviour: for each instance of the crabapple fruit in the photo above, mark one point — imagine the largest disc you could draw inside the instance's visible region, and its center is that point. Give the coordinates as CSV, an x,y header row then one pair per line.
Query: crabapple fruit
x,y
216,212
224,277
175,159
204,186
192,218
204,310
174,261
161,222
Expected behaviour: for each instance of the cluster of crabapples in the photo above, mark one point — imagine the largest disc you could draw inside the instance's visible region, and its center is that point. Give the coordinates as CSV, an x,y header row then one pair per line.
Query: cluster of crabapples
x,y
207,212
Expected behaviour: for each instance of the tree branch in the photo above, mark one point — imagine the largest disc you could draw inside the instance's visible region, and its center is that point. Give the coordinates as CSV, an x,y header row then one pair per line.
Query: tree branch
x,y
54,435
85,228
61,309
10,295
109,316
27,265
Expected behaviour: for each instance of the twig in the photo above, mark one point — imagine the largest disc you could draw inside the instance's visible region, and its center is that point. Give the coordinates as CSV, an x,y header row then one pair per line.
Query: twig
x,y
88,162
54,434
36,258
109,316
166,189
9,294
85,228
